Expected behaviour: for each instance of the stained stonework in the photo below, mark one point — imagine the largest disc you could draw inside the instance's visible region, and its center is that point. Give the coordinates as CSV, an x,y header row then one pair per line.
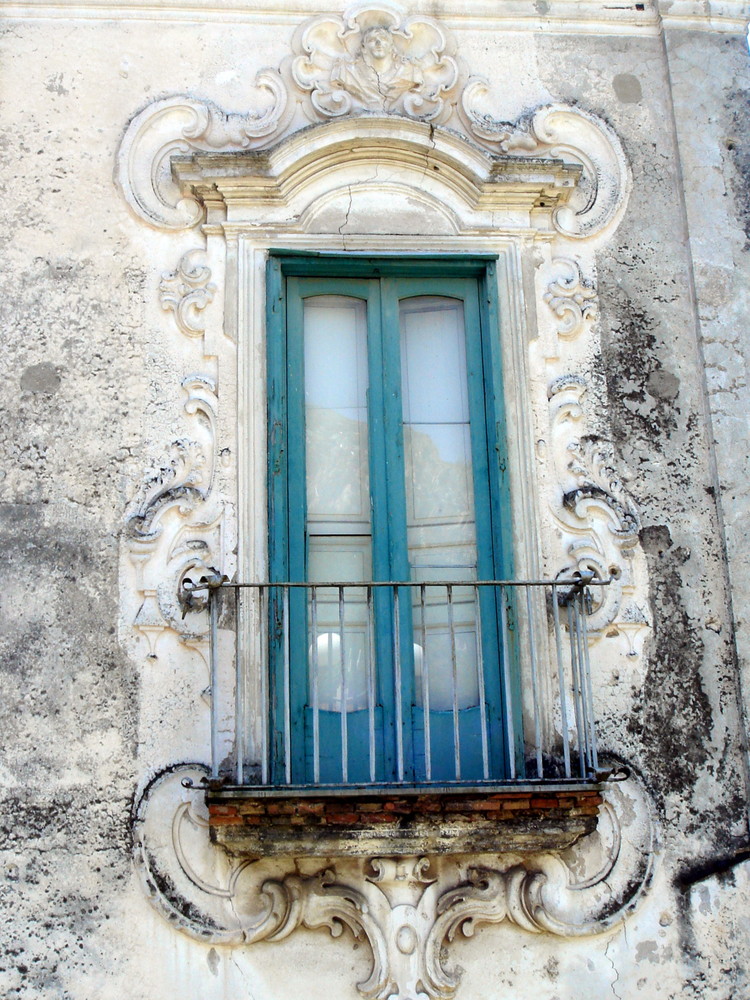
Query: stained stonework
x,y
152,153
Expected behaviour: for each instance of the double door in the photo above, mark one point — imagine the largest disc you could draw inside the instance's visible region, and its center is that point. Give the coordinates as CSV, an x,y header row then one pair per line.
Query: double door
x,y
385,435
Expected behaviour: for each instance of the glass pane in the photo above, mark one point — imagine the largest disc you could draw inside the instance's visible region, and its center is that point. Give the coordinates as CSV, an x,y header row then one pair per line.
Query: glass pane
x,y
441,532
336,408
338,502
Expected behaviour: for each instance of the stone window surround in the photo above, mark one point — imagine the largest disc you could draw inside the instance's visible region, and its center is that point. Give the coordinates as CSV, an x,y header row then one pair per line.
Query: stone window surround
x,y
310,193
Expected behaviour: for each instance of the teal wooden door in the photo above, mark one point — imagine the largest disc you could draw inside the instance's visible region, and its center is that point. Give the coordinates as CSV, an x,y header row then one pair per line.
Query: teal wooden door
x,y
383,436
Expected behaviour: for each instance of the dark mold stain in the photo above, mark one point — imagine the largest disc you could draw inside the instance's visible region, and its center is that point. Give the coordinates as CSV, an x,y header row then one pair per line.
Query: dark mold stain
x,y
672,714
738,147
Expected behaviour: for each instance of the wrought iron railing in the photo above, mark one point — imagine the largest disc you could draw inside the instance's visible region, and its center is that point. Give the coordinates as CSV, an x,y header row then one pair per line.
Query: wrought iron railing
x,y
539,664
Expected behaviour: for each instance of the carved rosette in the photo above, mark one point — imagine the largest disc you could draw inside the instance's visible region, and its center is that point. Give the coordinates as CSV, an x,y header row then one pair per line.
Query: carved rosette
x,y
408,910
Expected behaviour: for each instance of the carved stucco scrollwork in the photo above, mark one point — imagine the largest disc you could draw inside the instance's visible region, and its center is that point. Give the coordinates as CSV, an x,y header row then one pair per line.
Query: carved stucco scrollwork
x,y
181,124
564,132
174,523
187,292
371,59
408,910
571,299
374,59
597,518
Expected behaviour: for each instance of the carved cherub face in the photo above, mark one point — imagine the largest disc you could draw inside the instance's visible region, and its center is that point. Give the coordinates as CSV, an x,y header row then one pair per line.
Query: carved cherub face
x,y
378,43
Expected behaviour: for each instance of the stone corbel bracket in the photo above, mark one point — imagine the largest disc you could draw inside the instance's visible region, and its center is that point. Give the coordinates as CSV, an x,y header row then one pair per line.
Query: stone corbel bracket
x,y
408,910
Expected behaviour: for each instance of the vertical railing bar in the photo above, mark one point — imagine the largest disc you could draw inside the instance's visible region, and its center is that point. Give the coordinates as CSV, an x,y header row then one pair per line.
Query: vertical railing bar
x,y
239,694
534,685
263,595
454,679
397,682
589,685
213,655
582,681
371,683
580,728
287,692
585,689
509,707
480,686
425,686
561,683
344,693
315,683
585,703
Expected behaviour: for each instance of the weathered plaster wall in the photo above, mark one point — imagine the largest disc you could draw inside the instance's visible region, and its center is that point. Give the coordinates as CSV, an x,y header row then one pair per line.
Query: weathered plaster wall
x,y
92,370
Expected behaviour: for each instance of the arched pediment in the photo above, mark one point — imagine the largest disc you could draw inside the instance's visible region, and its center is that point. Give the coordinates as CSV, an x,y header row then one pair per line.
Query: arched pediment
x,y
367,158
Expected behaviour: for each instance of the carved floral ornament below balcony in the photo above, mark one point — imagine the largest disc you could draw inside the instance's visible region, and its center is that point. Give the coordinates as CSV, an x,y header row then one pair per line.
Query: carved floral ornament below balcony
x,y
407,909
372,60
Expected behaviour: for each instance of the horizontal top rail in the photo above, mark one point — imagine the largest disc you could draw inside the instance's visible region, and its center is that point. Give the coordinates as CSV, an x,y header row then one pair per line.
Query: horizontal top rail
x,y
220,583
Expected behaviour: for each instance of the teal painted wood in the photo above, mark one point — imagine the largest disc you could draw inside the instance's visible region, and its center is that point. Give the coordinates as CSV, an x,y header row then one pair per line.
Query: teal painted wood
x,y
499,481
297,290
278,503
313,263
317,275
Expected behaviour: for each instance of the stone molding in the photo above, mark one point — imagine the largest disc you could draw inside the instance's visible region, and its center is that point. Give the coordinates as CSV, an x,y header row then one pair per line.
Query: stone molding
x,y
408,910
404,822
561,16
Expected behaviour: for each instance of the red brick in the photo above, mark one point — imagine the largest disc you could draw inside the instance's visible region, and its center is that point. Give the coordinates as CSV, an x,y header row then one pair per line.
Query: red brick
x,y
251,809
511,804
311,808
546,802
280,808
343,818
215,810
